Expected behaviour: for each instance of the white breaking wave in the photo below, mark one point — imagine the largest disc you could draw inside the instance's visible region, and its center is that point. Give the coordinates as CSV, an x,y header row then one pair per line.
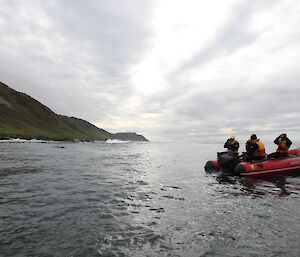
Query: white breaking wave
x,y
18,140
116,141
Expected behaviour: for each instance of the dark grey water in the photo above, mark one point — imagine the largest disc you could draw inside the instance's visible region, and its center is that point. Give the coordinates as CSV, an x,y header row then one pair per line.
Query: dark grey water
x,y
138,199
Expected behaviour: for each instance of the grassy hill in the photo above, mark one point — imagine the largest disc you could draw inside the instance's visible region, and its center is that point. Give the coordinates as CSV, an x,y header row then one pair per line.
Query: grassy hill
x,y
21,116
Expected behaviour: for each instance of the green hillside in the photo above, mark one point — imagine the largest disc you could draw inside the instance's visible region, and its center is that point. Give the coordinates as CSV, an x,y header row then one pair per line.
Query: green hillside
x,y
21,116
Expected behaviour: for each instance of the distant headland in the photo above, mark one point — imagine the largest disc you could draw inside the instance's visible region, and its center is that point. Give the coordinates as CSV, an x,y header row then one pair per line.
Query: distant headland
x,y
23,117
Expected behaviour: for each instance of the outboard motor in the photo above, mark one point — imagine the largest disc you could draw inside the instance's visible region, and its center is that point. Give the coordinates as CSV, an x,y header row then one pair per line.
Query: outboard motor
x,y
228,160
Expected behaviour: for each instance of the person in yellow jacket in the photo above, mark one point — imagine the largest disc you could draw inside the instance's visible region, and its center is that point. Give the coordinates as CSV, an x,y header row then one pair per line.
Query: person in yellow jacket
x,y
284,144
255,149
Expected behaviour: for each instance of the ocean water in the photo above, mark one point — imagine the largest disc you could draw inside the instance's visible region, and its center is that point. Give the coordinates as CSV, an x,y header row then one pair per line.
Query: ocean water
x,y
139,199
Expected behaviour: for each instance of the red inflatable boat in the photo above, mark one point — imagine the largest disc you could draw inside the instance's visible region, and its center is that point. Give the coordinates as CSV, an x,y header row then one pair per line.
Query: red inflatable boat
x,y
258,169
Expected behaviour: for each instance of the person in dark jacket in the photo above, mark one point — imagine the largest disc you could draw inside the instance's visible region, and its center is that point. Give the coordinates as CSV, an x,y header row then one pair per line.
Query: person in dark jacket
x,y
255,149
284,144
232,144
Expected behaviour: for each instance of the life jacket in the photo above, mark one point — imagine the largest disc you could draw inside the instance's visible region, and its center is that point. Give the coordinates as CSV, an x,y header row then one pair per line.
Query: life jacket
x,y
261,151
282,146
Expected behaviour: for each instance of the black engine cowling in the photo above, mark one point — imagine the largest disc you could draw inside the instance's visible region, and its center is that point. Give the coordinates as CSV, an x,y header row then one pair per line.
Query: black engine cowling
x,y
228,160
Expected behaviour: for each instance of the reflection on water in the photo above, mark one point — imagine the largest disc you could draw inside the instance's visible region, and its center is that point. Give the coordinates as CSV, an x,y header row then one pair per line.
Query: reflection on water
x,y
277,185
139,199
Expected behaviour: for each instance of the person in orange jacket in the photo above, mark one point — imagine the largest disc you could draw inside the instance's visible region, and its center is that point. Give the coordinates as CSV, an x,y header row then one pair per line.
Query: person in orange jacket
x,y
255,149
284,144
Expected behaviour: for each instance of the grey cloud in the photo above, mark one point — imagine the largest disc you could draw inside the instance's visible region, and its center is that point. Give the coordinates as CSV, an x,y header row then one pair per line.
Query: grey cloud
x,y
73,55
115,30
273,104
234,35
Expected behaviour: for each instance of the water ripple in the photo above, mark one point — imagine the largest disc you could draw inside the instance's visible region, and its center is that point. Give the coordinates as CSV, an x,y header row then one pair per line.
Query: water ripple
x,y
138,199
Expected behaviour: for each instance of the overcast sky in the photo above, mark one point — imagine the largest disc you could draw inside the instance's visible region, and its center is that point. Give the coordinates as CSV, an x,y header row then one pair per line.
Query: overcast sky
x,y
162,68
